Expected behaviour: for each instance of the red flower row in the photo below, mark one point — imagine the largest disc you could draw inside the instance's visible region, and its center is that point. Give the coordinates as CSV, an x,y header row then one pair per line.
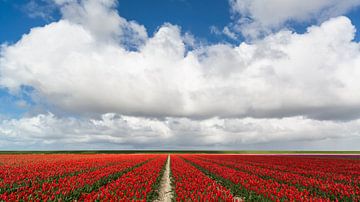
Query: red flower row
x,y
70,186
319,185
192,185
134,185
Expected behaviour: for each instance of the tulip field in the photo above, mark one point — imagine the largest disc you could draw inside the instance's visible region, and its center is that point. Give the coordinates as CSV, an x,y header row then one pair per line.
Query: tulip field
x,y
194,177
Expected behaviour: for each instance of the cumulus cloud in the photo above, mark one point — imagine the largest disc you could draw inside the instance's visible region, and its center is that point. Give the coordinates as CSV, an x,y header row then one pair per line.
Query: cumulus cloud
x,y
258,17
101,20
115,131
285,74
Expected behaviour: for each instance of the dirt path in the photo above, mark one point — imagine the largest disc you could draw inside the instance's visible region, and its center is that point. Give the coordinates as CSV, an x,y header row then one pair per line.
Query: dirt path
x,y
165,187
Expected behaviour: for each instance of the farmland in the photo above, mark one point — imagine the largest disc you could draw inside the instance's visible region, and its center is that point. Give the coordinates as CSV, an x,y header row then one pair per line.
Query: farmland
x,y
194,177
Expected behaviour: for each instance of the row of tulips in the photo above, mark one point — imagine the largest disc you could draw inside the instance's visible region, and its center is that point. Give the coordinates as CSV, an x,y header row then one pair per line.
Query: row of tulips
x,y
334,168
192,185
136,185
50,168
70,188
316,185
19,160
116,177
254,187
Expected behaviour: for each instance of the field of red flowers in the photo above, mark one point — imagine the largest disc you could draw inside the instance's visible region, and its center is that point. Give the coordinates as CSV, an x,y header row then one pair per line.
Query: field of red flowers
x,y
194,177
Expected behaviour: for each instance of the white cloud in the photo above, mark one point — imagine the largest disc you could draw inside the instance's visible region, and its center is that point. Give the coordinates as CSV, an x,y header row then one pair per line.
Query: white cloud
x,y
229,33
257,17
226,31
101,19
285,74
46,131
214,30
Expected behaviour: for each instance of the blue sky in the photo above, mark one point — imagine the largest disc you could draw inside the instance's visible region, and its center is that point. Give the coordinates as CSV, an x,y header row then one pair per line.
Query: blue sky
x,y
238,81
192,16
354,15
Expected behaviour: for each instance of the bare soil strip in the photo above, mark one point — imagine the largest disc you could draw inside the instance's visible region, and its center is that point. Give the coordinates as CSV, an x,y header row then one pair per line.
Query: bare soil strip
x,y
165,193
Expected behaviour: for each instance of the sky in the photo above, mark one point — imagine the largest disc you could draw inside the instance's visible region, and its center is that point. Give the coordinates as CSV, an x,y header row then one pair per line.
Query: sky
x,y
179,74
